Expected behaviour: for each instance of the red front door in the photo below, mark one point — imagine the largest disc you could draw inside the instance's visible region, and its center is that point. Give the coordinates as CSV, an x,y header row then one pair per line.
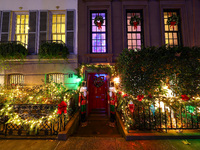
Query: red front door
x,y
97,87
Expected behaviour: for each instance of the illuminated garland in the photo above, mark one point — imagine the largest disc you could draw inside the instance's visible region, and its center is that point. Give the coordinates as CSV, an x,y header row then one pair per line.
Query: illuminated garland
x,y
107,68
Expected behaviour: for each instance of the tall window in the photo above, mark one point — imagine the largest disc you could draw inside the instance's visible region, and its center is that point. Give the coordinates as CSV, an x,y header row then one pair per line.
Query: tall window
x,y
172,34
98,35
22,27
134,34
58,27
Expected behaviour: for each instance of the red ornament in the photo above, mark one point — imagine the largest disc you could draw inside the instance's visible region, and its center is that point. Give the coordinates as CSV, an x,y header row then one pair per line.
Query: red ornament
x,y
185,97
120,92
131,107
62,107
125,95
140,97
135,25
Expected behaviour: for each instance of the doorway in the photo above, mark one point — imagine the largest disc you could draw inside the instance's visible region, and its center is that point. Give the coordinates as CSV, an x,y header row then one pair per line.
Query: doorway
x,y
97,87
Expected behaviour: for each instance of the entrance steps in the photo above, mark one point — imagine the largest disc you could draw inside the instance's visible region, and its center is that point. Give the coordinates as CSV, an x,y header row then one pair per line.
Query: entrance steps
x,y
98,114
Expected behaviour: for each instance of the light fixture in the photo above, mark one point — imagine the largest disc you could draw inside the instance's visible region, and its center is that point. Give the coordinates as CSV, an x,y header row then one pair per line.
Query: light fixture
x,y
20,8
57,7
116,80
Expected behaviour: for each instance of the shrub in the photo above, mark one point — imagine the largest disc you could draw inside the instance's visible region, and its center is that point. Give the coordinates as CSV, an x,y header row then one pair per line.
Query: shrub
x,y
145,71
53,50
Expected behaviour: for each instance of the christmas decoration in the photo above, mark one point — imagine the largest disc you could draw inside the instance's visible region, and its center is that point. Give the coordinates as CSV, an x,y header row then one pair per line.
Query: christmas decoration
x,y
135,20
62,108
152,108
131,106
98,81
98,21
172,20
140,97
185,97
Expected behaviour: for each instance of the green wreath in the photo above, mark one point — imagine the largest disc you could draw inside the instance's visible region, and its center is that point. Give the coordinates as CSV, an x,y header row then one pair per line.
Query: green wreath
x,y
98,18
173,18
135,19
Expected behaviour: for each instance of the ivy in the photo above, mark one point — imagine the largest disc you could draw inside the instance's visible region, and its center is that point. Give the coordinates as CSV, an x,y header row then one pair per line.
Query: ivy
x,y
53,51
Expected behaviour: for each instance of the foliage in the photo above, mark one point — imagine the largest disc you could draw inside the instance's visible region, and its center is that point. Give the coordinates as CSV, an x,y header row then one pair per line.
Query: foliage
x,y
135,18
173,18
12,51
146,71
53,50
107,68
98,18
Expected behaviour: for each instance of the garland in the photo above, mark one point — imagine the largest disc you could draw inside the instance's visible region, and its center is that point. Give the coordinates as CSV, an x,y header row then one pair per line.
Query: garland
x,y
33,123
135,20
98,21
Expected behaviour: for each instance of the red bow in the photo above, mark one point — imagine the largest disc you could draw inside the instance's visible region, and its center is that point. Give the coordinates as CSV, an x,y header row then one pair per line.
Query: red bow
x,y
99,25
150,96
125,95
135,25
185,97
140,97
172,24
131,107
62,107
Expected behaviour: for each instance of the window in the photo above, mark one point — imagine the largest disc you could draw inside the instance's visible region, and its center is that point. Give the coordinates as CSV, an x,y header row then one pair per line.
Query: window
x,y
58,27
98,36
22,27
16,79
55,77
134,35
172,34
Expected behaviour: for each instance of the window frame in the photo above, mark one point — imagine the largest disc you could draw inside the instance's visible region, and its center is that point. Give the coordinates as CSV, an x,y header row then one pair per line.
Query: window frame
x,y
106,27
179,32
142,26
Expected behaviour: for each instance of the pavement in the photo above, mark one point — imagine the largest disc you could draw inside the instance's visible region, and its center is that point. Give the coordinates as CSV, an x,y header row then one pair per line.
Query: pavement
x,y
99,134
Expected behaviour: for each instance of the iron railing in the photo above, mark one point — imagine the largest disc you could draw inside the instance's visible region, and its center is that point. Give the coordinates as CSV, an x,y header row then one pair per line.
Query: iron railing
x,y
16,42
165,117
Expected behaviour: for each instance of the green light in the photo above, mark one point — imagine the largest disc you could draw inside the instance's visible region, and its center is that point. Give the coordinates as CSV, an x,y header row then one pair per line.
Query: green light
x,y
190,109
78,80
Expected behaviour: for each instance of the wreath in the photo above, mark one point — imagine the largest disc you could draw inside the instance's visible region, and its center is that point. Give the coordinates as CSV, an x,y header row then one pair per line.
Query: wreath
x,y
173,20
98,21
135,20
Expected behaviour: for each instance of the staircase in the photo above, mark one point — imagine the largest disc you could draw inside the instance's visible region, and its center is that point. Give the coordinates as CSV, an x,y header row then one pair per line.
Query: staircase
x,y
98,114
97,126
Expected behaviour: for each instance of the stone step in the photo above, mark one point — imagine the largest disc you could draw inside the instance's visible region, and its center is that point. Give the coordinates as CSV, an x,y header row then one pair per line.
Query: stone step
x,y
97,115
98,111
97,118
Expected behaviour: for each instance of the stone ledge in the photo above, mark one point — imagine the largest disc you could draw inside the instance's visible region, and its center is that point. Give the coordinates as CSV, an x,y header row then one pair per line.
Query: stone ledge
x,y
70,127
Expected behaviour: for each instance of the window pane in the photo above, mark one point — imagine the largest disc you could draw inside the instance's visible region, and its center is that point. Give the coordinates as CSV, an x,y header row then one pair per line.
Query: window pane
x,y
134,34
54,28
21,28
58,28
54,19
171,32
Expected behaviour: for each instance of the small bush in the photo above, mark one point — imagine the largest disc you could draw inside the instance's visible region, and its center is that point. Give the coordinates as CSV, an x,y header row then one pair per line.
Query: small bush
x,y
12,51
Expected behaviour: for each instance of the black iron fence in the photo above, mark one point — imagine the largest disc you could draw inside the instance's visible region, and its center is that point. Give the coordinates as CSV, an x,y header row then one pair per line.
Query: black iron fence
x,y
162,116
30,112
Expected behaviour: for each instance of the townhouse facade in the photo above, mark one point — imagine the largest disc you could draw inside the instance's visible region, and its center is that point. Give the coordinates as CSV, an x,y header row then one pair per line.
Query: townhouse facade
x,y
32,23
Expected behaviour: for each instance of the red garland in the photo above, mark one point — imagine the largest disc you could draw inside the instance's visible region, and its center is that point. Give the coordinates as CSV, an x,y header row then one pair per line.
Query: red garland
x,y
185,97
140,97
62,107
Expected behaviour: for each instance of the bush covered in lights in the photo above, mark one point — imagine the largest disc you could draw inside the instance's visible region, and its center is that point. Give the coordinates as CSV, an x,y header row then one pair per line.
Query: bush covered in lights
x,y
145,71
